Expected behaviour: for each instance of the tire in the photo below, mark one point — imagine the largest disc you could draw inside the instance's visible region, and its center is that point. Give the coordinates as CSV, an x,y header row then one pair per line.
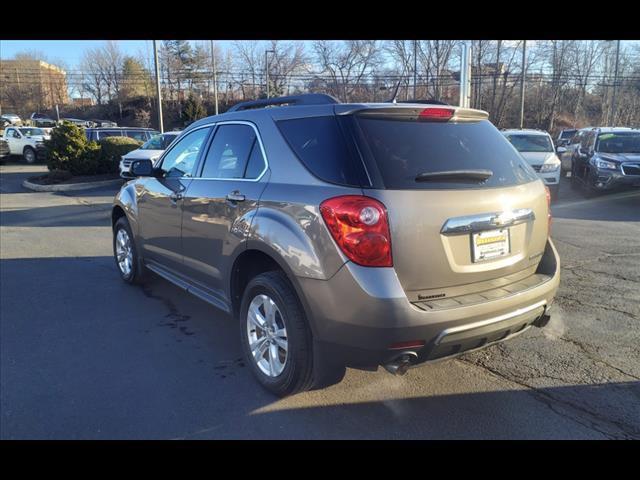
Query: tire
x,y
575,183
29,155
292,372
135,274
588,190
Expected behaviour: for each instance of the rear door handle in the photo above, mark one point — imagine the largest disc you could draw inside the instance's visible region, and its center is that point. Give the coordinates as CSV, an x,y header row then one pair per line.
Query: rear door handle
x,y
235,196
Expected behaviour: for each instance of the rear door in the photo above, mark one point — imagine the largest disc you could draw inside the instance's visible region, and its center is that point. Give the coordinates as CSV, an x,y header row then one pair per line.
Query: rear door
x,y
452,231
220,203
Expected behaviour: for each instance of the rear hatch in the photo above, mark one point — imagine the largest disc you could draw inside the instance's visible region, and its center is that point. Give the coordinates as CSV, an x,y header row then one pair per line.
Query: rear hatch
x,y
464,208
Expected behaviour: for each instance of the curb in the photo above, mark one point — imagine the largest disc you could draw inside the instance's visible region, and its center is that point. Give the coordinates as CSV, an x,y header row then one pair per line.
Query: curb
x,y
69,187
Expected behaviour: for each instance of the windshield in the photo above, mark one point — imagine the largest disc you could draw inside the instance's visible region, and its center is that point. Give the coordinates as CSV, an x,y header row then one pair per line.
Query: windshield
x,y
155,143
30,132
567,134
620,142
531,143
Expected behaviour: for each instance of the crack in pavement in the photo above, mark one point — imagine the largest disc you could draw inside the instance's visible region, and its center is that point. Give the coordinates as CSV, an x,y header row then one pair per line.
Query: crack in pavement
x,y
623,430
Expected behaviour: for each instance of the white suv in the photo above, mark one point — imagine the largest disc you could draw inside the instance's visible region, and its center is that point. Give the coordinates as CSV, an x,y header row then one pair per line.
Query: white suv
x,y
536,146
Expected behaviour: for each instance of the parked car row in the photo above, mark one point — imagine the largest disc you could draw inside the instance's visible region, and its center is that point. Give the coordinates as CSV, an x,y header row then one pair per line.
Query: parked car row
x,y
44,121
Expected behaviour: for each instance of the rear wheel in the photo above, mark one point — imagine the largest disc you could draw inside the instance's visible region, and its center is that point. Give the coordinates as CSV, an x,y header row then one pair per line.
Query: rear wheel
x,y
275,335
29,155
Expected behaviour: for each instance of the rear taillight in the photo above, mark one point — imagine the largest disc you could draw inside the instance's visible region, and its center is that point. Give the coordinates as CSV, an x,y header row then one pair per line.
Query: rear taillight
x,y
549,218
436,114
360,227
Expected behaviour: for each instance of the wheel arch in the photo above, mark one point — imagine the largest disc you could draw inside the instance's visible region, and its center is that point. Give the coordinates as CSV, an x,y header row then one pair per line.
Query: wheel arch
x,y
258,258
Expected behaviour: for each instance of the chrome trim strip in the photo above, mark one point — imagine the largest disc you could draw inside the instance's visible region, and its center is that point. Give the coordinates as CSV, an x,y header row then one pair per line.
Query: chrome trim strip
x,y
483,323
487,221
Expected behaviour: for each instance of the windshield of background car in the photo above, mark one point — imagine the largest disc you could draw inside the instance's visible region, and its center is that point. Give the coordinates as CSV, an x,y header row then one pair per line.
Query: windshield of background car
x,y
531,143
619,142
30,132
156,143
567,134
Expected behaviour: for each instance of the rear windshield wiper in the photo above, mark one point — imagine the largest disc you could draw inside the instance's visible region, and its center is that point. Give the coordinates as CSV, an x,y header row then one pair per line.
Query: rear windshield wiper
x,y
475,176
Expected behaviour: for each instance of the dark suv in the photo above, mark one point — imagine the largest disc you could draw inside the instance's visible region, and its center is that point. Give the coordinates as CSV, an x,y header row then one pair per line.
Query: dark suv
x,y
345,234
606,159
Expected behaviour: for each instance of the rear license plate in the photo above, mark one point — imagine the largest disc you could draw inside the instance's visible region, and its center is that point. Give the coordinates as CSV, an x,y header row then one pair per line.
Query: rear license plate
x,y
490,244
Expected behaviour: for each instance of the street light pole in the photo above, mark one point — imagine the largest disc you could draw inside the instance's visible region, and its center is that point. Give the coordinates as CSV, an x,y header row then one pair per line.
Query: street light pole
x,y
158,93
266,68
615,85
524,72
215,77
415,69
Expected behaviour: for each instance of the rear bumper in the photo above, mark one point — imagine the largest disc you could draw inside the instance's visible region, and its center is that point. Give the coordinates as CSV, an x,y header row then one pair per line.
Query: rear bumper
x,y
359,313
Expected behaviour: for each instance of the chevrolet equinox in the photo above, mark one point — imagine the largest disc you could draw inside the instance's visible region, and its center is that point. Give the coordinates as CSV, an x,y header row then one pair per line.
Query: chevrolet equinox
x,y
337,235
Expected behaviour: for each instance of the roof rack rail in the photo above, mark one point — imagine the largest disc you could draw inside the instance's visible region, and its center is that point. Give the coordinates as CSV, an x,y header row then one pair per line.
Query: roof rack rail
x,y
304,99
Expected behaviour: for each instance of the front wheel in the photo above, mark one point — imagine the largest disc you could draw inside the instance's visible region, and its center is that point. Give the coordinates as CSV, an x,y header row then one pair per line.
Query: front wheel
x,y
29,155
125,253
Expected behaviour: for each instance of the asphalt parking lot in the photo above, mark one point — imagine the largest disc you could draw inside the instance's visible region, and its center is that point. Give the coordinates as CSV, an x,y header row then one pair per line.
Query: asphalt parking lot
x,y
84,356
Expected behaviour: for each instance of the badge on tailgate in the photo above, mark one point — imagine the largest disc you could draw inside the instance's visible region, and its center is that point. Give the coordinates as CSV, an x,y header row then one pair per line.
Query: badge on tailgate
x,y
489,244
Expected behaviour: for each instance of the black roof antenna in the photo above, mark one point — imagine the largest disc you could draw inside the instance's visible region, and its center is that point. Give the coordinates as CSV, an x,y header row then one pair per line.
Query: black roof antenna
x,y
395,91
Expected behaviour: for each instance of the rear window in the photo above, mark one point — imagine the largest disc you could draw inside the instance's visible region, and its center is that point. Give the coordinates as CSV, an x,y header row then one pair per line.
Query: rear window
x,y
404,149
321,146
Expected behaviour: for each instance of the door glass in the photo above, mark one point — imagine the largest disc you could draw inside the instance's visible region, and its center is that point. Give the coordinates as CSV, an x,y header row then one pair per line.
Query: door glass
x,y
256,163
181,159
228,155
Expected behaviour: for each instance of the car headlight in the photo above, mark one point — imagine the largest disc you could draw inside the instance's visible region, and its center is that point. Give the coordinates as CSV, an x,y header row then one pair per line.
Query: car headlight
x,y
549,167
606,165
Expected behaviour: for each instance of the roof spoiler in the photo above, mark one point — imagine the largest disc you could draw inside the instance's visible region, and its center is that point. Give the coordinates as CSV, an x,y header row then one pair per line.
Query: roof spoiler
x,y
413,112
305,99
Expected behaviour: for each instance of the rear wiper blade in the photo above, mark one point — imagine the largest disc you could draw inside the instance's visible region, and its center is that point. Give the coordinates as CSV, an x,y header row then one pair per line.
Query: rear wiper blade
x,y
455,176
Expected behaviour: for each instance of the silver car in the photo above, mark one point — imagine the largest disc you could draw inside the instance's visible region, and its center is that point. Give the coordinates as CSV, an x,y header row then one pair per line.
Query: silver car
x,y
343,235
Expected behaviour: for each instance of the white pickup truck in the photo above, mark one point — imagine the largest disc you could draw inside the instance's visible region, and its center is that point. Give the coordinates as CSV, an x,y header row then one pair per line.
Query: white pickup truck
x,y
26,141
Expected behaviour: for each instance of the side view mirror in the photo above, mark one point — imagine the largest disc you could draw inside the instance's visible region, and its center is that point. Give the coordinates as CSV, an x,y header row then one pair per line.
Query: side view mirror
x,y
561,150
142,168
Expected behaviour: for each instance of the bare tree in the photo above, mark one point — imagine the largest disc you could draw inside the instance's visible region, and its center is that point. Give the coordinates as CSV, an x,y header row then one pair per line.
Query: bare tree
x,y
346,64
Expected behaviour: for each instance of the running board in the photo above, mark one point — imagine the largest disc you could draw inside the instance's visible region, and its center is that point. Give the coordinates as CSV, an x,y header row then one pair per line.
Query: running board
x,y
189,287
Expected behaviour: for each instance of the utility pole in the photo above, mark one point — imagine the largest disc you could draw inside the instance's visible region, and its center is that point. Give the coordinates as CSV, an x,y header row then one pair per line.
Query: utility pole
x,y
215,77
465,76
524,73
615,86
266,68
415,69
158,93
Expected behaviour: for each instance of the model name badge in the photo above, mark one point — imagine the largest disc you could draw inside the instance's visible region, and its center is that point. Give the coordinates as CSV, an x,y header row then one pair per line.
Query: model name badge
x,y
429,297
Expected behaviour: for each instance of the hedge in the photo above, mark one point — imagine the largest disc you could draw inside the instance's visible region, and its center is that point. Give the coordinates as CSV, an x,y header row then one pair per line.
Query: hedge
x,y
68,150
112,149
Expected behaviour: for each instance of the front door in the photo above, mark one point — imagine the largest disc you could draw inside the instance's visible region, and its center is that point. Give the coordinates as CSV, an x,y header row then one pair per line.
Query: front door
x,y
220,202
160,201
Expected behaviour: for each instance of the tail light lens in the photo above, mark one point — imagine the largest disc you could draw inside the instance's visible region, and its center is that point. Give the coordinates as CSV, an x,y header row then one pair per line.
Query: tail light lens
x,y
549,218
360,227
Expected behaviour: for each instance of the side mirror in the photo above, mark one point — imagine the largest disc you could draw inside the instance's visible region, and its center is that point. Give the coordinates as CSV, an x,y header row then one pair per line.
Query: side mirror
x,y
142,168
561,150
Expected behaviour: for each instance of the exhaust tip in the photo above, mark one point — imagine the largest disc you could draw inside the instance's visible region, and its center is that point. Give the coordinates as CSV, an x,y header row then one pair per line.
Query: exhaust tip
x,y
401,363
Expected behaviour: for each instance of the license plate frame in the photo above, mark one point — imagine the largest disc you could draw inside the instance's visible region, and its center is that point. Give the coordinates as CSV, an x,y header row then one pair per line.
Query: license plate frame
x,y
484,248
